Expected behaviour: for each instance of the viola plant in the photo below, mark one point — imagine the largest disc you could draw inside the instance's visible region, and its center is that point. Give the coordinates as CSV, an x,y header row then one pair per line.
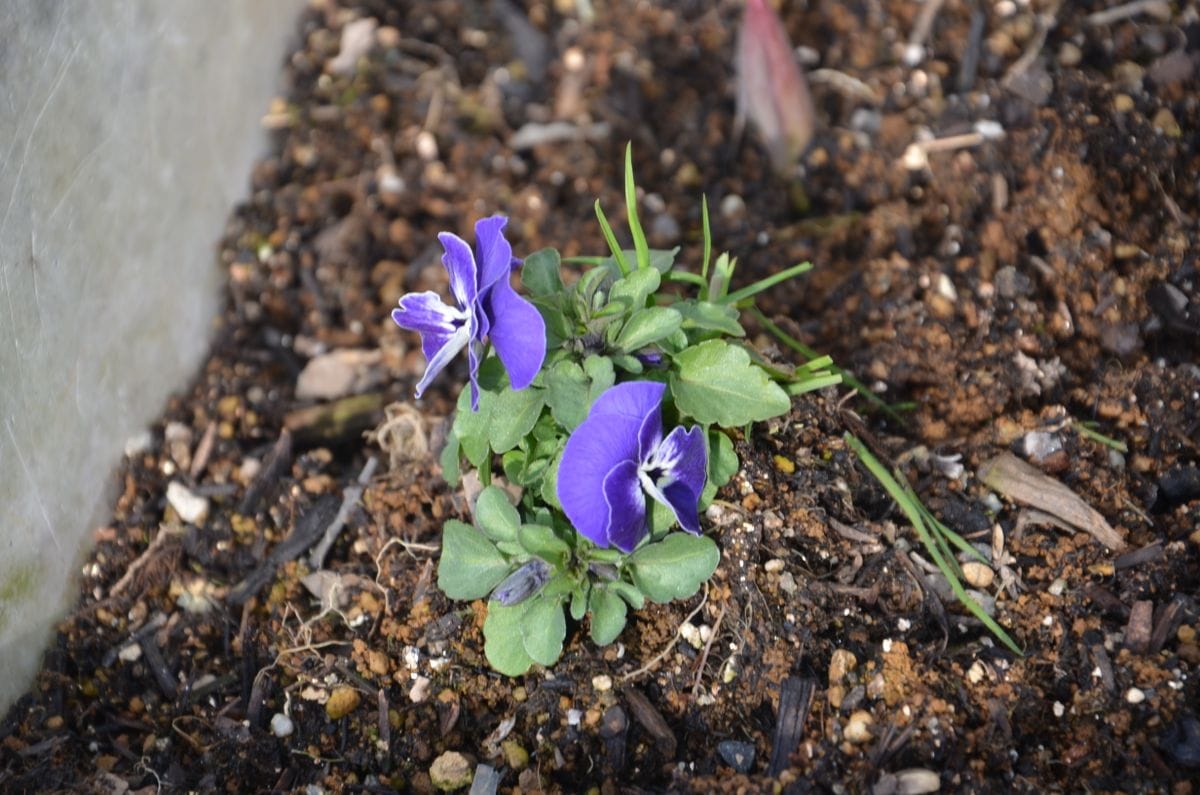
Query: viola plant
x,y
607,406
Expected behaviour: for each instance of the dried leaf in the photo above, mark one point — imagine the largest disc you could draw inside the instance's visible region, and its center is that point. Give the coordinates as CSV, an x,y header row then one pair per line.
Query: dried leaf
x,y
1027,485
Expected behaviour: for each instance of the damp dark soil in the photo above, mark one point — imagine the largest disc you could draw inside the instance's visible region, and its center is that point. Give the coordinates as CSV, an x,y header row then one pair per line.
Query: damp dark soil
x,y
1001,208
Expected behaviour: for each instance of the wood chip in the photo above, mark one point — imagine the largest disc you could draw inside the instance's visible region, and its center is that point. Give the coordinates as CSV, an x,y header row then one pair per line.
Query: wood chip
x,y
652,721
1140,626
795,700
1027,485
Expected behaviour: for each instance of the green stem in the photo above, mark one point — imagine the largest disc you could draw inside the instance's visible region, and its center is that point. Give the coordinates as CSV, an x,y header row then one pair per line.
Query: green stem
x,y
767,283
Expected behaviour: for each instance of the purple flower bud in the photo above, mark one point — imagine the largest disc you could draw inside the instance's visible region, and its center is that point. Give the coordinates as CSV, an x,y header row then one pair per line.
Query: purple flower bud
x,y
522,583
772,91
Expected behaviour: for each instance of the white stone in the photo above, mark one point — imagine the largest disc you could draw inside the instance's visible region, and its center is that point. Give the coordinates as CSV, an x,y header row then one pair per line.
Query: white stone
x,y
282,725
190,507
1135,696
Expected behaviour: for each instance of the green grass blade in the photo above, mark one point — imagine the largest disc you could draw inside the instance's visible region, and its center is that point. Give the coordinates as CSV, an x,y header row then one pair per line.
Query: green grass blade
x,y
611,239
685,277
635,225
1086,430
913,510
809,354
765,284
813,384
707,242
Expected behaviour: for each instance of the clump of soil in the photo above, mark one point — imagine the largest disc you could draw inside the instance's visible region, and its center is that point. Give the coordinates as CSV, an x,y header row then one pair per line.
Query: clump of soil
x,y
1020,292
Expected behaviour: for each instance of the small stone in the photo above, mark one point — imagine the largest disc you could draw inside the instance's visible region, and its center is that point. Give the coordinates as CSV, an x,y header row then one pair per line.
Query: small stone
x,y
876,686
1186,633
691,633
1123,103
1165,120
975,673
342,701
427,147
130,653
841,662
835,695
787,583
858,728
1058,587
1135,696
515,756
738,755
450,771
917,781
602,683
977,574
190,507
54,722
733,207
774,565
282,725
784,465
1069,54
419,690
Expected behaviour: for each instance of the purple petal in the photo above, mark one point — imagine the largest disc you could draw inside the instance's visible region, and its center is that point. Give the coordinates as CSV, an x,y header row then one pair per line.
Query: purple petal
x,y
606,439
444,330
684,464
626,506
633,400
495,252
517,331
460,264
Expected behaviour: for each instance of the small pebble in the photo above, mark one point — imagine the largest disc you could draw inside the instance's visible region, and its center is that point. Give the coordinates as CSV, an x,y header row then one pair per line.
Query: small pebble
x,y
733,207
282,725
191,508
602,683
975,673
738,755
342,701
1134,696
1069,54
1123,103
1059,709
1058,587
450,771
419,690
773,565
858,728
841,662
977,574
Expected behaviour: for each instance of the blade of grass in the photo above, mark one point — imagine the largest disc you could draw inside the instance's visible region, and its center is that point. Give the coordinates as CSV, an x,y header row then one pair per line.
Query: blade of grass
x,y
812,384
1084,429
808,353
707,242
912,509
635,225
765,284
611,239
686,277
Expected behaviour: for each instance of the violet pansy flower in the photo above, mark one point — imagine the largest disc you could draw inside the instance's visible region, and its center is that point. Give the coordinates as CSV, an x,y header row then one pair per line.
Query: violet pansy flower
x,y
488,308
618,457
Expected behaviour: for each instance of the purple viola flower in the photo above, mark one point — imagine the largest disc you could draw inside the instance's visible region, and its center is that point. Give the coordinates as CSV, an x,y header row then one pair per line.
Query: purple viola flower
x,y
618,456
488,308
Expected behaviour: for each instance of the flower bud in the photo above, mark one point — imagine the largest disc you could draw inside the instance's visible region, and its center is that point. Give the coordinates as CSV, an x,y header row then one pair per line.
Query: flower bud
x,y
772,91
522,583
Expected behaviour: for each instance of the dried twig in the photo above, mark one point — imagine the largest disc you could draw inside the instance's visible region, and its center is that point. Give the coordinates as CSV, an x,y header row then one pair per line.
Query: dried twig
x,y
795,700
350,497
707,648
670,645
166,532
1159,9
308,528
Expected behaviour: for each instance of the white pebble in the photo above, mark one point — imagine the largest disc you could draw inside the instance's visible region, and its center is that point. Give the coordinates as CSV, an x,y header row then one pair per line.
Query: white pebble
x,y
1057,587
1059,709
131,653
574,716
419,690
281,725
773,565
191,508
1134,696
602,683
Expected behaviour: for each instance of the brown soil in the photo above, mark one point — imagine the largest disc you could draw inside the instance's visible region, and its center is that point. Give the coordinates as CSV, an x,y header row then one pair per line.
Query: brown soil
x,y
1029,283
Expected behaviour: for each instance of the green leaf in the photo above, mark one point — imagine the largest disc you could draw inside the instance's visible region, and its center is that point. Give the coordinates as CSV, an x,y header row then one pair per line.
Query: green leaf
x,y
716,383
549,491
449,459
543,628
541,274
631,292
675,567
543,542
635,226
628,592
513,415
705,316
600,370
471,427
647,326
471,566
496,516
502,642
608,616
722,460
611,239
567,394
630,364
579,600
